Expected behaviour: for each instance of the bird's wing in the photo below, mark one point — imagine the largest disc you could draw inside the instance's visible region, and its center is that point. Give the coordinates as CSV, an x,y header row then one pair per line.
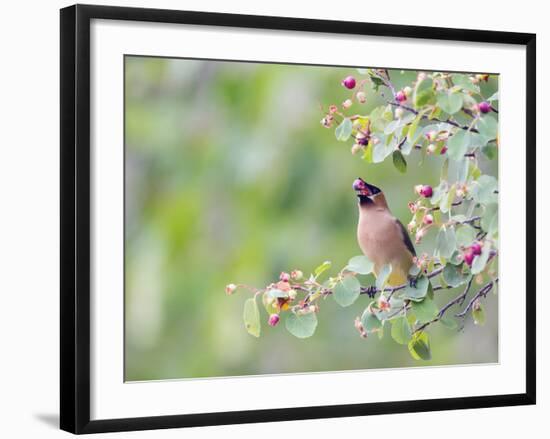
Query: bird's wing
x,y
405,237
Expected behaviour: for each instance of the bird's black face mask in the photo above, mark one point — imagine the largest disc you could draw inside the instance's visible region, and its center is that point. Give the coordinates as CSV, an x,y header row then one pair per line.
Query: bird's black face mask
x,y
365,191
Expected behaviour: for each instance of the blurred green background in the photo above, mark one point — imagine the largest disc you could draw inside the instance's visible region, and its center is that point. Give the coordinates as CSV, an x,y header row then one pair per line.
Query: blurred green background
x,y
230,178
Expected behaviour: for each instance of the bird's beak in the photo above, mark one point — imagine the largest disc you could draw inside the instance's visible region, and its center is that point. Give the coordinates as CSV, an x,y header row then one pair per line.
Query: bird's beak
x,y
364,189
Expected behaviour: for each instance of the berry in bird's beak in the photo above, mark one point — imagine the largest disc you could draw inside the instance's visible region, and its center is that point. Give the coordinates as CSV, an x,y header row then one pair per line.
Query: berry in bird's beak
x,y
361,187
364,188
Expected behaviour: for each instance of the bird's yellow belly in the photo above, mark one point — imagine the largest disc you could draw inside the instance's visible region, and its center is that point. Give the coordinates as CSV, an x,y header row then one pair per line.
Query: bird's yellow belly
x,y
383,253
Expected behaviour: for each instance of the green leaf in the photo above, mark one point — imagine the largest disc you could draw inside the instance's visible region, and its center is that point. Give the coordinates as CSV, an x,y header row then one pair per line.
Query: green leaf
x,y
367,155
347,291
462,170
343,131
458,145
489,220
465,235
490,150
414,270
360,264
488,127
383,149
446,242
378,118
392,126
322,268
448,322
478,313
425,311
370,322
301,326
423,93
401,330
376,81
419,347
251,317
454,276
474,172
411,138
396,304
439,191
447,200
424,97
419,291
450,103
464,82
445,170
399,161
484,190
480,261
382,276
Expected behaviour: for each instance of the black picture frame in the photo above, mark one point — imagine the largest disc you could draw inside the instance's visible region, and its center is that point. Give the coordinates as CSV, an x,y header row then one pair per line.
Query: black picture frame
x,y
75,217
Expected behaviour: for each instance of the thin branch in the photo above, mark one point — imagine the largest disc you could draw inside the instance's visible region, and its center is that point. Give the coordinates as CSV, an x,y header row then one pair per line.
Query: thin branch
x,y
425,116
457,300
481,293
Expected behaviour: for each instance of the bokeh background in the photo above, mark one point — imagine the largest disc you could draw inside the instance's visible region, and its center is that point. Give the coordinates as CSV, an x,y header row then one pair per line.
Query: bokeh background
x,y
230,178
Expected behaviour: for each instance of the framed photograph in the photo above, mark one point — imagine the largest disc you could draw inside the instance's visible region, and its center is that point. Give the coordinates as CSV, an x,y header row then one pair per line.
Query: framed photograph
x,y
267,219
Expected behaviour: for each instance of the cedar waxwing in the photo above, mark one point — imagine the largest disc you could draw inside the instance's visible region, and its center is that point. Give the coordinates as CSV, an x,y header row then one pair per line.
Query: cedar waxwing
x,y
381,236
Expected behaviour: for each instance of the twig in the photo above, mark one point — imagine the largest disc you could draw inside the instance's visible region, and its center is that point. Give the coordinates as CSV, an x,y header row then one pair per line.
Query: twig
x,y
481,293
457,300
424,116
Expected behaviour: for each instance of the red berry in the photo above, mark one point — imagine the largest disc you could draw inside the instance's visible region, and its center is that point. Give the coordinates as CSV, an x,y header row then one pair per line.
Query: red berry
x,y
273,319
469,257
443,150
400,96
427,191
475,248
484,107
359,185
349,82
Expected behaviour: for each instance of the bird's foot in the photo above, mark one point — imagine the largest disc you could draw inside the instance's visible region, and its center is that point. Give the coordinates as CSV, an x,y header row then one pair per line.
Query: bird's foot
x,y
371,291
413,280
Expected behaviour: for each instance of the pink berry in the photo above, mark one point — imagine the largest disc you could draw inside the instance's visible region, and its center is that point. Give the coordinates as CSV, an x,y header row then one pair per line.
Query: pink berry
x,y
273,319
349,82
427,191
443,150
428,219
400,96
484,107
469,257
475,248
347,103
285,277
